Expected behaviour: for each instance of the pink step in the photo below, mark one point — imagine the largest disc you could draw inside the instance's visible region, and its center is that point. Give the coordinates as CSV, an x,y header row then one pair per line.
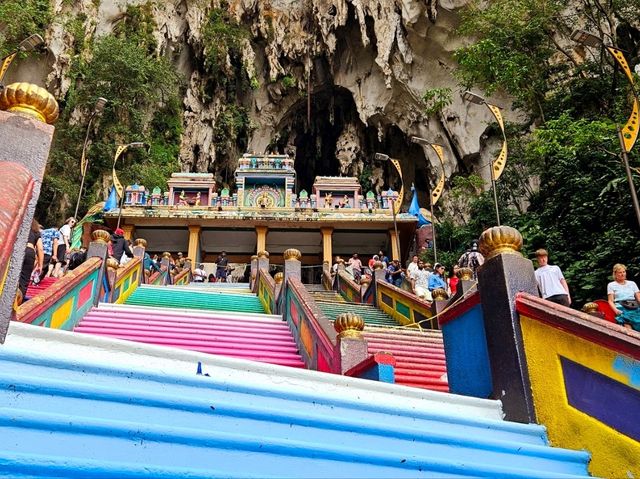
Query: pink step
x,y
257,338
35,289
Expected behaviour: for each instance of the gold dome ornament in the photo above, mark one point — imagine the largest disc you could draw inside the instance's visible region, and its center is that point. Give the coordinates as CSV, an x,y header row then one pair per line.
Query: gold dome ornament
x,y
30,101
140,242
439,294
465,274
349,325
278,278
263,254
590,308
112,263
292,253
100,236
500,239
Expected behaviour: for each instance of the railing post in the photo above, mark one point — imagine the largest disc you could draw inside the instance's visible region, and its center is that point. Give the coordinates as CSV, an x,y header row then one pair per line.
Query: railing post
x,y
112,273
24,150
165,266
292,264
278,278
440,301
504,273
139,248
98,248
263,261
365,281
254,271
351,346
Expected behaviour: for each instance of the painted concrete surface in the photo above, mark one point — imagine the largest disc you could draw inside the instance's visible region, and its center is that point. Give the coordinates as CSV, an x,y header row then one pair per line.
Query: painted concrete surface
x,y
568,376
79,406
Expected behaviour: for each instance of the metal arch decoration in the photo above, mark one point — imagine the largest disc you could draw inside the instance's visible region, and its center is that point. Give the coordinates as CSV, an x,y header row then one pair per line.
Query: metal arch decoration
x,y
116,182
437,191
5,65
630,129
398,202
500,162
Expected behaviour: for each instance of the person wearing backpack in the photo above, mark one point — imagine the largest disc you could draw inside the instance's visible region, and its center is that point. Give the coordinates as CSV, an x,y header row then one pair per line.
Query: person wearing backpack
x,y
472,258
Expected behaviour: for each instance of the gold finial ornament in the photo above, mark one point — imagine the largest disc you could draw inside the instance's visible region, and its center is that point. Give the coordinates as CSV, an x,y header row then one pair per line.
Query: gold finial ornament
x,y
29,100
263,254
378,265
112,263
100,236
439,294
349,325
500,239
465,274
166,255
278,278
340,261
140,242
365,280
254,257
292,253
590,308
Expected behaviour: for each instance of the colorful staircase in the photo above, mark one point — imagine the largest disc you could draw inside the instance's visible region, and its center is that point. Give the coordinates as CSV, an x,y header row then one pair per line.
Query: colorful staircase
x,y
208,322
195,298
76,405
35,289
420,357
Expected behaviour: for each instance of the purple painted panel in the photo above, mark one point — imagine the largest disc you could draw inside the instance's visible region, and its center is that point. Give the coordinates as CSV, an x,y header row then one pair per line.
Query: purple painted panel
x,y
603,398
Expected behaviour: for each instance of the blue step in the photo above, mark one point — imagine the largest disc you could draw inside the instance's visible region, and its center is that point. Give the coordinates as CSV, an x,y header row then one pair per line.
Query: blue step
x,y
80,406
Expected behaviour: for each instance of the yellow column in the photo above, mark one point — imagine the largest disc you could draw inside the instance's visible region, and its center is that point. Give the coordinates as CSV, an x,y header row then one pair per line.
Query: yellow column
x,y
128,231
327,245
194,244
261,238
395,246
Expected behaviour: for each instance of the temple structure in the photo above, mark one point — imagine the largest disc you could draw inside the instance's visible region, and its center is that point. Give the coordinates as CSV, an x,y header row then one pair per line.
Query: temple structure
x,y
265,212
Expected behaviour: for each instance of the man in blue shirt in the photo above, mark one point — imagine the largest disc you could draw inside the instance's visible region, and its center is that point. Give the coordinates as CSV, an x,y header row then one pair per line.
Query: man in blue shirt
x,y
50,239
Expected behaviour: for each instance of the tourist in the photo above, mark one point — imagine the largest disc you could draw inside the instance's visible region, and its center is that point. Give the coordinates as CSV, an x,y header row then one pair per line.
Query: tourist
x,y
356,267
472,258
150,264
419,279
180,261
436,279
394,274
76,258
384,258
50,240
33,260
199,274
372,262
120,247
413,265
454,280
551,282
624,298
222,267
63,246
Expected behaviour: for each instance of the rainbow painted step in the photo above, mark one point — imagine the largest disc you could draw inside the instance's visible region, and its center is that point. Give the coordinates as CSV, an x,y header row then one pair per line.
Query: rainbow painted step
x,y
257,337
372,316
35,289
173,297
75,405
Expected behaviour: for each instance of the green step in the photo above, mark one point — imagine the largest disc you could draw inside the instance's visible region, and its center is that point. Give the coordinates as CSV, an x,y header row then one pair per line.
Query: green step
x,y
371,315
189,299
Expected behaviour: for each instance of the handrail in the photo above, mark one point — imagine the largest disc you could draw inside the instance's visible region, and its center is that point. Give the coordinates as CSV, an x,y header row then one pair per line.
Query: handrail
x,y
405,308
30,310
266,291
581,324
120,289
348,288
458,308
178,277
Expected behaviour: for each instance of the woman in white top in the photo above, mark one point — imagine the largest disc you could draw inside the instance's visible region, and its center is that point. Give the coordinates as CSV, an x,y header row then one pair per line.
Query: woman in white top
x,y
618,292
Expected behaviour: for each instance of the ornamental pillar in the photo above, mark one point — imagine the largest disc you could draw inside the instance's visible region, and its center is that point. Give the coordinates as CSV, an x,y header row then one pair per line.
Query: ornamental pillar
x,y
327,244
395,248
26,133
505,273
261,238
292,264
194,243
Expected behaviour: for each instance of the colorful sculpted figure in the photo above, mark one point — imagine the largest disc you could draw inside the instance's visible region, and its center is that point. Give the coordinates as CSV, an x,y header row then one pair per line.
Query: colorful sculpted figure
x,y
197,203
328,200
183,199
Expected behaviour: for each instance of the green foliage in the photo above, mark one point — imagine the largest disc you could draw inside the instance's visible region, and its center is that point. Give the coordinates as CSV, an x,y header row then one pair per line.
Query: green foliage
x,y
435,99
288,81
144,105
19,19
221,36
231,123
513,48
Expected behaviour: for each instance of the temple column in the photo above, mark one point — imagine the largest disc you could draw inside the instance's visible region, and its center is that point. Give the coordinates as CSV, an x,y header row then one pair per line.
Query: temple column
x,y
129,230
395,249
261,238
194,243
327,245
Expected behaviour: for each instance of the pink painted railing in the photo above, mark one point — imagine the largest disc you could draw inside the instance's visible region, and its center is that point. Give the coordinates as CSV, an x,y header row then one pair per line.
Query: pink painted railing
x,y
64,303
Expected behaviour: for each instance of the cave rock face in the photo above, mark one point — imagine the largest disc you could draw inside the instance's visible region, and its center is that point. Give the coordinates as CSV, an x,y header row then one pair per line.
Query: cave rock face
x,y
334,81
